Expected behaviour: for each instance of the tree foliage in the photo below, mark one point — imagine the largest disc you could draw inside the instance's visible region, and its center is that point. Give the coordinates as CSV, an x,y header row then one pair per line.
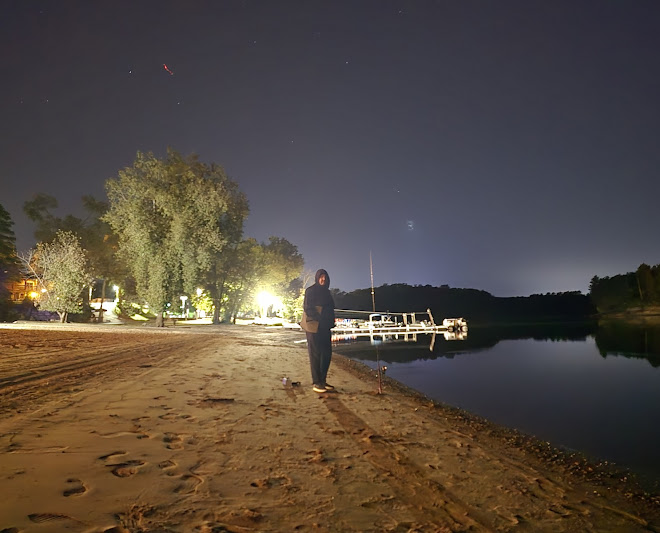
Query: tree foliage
x,y
282,264
61,270
242,267
250,267
95,235
7,239
8,259
283,269
623,291
174,218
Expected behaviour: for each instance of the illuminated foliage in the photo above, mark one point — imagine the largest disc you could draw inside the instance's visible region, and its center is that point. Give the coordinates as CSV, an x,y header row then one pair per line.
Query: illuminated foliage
x,y
95,234
173,216
284,266
61,270
283,263
240,269
250,268
243,268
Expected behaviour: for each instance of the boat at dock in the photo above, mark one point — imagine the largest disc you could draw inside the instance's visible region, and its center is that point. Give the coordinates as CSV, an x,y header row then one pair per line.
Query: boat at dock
x,y
394,325
389,324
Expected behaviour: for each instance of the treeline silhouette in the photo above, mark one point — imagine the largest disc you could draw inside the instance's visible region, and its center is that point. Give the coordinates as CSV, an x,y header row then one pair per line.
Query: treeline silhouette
x,y
476,306
623,291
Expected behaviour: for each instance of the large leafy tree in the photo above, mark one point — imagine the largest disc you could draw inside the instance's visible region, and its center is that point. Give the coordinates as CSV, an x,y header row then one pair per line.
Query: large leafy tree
x,y
174,218
242,268
95,234
251,267
7,239
61,270
645,284
8,259
101,244
282,271
283,263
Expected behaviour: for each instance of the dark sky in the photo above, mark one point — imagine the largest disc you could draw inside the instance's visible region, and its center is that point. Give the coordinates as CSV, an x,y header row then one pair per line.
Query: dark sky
x,y
509,146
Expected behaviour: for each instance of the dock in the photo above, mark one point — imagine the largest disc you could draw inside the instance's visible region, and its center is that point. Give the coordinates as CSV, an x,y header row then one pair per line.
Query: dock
x,y
386,324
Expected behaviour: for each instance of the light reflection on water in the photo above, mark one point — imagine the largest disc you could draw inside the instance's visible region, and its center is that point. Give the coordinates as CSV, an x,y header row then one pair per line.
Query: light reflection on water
x,y
572,393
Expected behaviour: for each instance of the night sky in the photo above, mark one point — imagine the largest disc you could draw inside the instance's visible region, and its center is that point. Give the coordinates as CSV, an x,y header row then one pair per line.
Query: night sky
x,y
509,146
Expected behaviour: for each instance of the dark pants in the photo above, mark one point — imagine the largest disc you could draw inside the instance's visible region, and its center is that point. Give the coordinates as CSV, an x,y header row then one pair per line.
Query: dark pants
x,y
320,353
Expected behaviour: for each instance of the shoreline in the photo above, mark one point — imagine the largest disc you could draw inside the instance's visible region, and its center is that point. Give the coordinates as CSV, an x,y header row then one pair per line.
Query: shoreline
x,y
578,463
264,452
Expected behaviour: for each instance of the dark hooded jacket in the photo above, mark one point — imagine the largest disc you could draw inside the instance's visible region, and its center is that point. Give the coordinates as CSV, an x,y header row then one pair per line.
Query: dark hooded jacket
x,y
319,295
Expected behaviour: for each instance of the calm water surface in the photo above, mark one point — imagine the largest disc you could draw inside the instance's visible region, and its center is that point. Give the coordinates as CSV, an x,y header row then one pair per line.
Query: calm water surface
x,y
596,391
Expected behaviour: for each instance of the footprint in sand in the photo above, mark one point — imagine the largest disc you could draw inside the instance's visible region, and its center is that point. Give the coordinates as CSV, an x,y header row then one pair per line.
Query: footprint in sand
x,y
76,487
112,454
189,484
174,441
126,469
174,416
165,466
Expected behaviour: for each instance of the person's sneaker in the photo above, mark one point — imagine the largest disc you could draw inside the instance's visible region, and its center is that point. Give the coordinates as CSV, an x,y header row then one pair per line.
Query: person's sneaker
x,y
329,387
319,388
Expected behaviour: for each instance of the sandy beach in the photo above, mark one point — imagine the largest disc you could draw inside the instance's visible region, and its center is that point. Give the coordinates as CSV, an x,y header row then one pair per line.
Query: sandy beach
x,y
190,429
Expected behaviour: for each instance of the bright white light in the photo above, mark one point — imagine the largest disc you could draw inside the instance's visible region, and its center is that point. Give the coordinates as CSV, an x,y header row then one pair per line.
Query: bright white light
x,y
199,292
265,299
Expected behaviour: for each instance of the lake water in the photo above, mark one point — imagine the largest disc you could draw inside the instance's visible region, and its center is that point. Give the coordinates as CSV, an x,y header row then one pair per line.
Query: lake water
x,y
587,388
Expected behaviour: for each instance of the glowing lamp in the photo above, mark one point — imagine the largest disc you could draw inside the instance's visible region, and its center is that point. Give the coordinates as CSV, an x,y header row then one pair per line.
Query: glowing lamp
x,y
265,299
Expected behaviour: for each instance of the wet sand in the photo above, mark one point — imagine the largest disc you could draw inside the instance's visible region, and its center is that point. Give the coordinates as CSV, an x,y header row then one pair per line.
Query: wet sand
x,y
190,429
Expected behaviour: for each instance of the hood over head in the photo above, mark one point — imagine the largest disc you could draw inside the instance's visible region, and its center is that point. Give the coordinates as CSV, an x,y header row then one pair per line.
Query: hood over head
x,y
318,275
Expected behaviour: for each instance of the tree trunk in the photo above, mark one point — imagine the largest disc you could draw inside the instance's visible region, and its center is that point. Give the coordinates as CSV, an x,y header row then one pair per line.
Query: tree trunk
x,y
86,302
217,300
234,311
160,321
63,316
99,319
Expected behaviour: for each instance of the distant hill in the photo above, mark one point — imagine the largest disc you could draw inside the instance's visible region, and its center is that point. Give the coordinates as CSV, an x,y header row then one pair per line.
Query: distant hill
x,y
478,307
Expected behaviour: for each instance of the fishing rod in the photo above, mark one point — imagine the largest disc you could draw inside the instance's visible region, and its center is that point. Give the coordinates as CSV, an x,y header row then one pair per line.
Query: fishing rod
x,y
373,304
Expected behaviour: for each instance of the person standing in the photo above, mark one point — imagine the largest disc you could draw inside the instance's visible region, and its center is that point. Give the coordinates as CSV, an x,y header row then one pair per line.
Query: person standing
x,y
318,320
